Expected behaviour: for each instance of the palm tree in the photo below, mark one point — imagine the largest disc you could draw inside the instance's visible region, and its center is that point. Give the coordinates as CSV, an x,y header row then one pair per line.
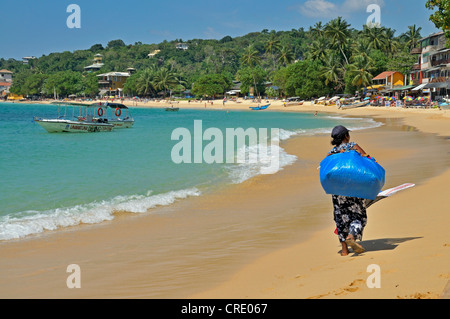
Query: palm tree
x,y
251,59
318,49
333,71
165,79
272,45
412,36
337,31
361,70
374,37
360,47
286,55
391,42
317,31
144,84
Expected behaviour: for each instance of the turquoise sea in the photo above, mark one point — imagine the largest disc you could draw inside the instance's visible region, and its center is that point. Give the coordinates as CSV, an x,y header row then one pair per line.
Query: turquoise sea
x,y
56,180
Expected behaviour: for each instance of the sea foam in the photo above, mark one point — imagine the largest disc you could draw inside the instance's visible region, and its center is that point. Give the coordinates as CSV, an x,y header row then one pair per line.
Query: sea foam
x,y
34,222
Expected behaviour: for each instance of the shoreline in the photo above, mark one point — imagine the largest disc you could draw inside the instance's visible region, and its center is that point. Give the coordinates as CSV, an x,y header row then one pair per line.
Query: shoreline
x,y
438,120
260,275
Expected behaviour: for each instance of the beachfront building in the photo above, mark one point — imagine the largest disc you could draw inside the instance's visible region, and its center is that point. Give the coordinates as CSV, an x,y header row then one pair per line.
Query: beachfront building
x,y
112,83
5,82
389,80
6,76
390,83
431,73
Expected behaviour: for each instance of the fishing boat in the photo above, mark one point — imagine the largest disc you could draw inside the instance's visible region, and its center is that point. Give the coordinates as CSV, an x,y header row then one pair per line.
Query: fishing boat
x,y
355,105
83,122
293,101
116,114
262,107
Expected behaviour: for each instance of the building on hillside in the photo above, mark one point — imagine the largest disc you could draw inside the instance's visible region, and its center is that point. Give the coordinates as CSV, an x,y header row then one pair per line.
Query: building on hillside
x,y
182,46
112,83
431,73
26,60
98,58
97,65
131,71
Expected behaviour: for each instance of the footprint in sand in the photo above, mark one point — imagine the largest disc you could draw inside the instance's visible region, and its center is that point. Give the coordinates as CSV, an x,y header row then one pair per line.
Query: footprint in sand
x,y
352,287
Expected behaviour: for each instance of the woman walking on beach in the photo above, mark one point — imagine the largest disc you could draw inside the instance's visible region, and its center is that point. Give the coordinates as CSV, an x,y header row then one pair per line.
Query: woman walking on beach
x,y
349,212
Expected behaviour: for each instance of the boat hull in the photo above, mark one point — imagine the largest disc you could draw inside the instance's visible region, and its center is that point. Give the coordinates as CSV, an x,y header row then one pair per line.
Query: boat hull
x,y
59,126
352,106
121,124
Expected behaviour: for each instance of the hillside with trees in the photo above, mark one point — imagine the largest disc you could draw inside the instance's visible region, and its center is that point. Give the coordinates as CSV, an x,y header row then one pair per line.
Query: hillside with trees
x,y
328,58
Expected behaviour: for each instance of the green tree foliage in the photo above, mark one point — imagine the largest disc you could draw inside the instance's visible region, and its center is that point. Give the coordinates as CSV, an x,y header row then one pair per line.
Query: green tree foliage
x,y
412,37
211,85
252,77
115,44
332,52
302,79
63,83
441,17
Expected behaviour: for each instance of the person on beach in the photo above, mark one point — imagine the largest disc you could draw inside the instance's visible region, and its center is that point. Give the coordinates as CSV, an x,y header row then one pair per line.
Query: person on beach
x,y
349,212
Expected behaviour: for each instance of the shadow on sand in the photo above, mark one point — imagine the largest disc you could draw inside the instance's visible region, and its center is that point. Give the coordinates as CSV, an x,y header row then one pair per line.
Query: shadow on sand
x,y
385,243
380,244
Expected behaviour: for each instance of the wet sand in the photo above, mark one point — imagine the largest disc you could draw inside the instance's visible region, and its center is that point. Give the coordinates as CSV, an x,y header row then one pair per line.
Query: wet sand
x,y
269,237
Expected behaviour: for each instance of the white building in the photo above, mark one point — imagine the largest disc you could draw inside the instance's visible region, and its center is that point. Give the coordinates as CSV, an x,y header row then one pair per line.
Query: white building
x,y
182,46
6,76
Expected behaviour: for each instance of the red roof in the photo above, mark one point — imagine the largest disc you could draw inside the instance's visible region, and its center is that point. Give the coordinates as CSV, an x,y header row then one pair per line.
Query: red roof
x,y
5,84
5,71
384,75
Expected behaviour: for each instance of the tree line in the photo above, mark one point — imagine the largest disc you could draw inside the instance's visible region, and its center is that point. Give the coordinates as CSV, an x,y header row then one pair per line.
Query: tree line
x,y
326,59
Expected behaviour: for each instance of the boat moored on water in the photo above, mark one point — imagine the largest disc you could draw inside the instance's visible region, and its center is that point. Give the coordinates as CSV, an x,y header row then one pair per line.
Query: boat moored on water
x,y
116,114
258,108
83,122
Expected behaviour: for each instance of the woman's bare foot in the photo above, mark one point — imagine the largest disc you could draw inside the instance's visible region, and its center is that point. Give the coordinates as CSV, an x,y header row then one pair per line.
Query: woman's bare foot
x,y
344,251
357,248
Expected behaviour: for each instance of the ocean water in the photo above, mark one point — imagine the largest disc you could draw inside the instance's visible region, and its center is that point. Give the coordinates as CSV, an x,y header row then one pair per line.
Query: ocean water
x,y
56,180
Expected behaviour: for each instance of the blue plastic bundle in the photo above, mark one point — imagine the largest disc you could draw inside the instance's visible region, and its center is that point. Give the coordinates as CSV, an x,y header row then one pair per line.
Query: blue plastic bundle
x,y
350,174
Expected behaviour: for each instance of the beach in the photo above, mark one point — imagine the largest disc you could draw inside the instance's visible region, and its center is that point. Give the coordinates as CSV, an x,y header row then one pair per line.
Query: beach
x,y
231,244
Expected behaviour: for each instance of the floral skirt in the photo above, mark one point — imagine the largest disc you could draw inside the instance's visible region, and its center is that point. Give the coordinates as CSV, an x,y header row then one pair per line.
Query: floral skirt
x,y
350,216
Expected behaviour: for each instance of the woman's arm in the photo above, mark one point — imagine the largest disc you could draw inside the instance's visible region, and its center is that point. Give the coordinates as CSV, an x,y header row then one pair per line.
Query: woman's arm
x,y
360,150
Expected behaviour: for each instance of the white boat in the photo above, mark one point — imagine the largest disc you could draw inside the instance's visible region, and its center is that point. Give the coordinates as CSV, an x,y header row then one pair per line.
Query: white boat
x,y
354,105
113,113
82,123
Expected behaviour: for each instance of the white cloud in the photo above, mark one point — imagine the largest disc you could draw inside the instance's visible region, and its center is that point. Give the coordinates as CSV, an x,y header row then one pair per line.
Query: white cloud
x,y
318,8
328,9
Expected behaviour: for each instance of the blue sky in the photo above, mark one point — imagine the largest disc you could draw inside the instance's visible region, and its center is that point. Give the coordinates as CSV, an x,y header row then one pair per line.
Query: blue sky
x,y
37,27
